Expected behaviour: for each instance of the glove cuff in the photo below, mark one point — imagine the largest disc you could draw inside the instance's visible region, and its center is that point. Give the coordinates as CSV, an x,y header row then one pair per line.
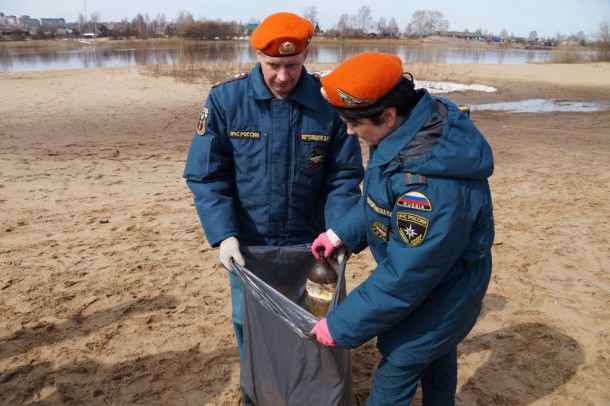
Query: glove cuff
x,y
334,238
230,241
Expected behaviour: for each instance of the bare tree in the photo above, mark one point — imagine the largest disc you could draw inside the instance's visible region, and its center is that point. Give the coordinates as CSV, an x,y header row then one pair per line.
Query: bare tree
x,y
82,21
95,18
409,31
185,23
149,28
311,13
419,23
184,17
603,41
439,22
580,38
393,29
138,23
343,23
382,26
364,20
559,37
428,22
161,22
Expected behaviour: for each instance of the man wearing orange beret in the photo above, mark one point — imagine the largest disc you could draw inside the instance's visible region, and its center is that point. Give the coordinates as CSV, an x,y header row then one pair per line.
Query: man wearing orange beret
x,y
427,215
270,162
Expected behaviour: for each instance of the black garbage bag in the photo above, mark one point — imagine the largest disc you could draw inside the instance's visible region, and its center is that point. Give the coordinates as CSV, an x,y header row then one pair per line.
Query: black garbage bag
x,y
282,365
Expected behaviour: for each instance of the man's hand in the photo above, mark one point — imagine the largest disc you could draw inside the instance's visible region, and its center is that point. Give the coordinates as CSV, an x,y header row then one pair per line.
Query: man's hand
x,y
322,334
229,248
325,244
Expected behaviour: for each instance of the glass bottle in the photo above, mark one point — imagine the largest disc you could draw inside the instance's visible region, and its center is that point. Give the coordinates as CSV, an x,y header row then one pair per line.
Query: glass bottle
x,y
321,284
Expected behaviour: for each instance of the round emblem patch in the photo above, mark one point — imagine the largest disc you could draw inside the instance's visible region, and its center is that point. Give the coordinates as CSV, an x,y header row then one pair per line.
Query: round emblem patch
x,y
287,48
412,228
315,159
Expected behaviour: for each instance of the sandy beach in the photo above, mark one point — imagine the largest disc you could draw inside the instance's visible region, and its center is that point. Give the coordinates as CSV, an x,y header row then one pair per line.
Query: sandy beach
x,y
110,294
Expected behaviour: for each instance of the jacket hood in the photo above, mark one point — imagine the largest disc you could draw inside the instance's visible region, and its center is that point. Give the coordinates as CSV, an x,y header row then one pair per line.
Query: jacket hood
x,y
460,150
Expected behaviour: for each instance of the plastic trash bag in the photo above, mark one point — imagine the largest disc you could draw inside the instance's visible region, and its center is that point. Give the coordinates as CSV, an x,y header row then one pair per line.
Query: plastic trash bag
x,y
281,364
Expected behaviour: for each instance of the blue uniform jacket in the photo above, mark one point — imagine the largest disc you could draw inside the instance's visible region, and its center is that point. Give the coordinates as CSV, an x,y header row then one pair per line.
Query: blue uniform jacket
x,y
271,171
426,214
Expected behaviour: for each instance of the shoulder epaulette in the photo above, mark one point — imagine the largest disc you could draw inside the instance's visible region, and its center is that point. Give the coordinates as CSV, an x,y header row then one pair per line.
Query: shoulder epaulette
x,y
233,78
415,179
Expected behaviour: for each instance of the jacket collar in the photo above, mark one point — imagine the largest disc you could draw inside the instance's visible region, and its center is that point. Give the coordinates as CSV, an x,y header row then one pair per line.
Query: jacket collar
x,y
390,146
301,94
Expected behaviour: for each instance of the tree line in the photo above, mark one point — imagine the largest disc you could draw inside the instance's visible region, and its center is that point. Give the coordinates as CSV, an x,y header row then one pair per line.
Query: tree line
x,y
361,24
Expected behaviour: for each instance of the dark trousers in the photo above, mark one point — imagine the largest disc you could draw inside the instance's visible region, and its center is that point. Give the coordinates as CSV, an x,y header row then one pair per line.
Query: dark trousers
x,y
237,310
397,385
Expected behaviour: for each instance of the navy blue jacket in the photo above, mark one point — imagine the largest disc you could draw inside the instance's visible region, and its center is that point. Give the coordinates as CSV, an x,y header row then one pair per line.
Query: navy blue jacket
x,y
426,214
270,171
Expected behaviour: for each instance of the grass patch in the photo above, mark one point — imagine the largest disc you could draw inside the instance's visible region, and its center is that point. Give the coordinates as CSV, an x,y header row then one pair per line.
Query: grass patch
x,y
47,46
567,54
213,73
195,73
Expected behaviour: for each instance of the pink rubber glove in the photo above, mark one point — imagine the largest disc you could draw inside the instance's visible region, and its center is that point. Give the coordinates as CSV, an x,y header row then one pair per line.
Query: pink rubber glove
x,y
322,334
325,244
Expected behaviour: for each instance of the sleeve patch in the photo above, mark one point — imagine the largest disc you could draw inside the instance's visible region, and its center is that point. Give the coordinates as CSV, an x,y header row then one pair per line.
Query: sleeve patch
x,y
201,122
377,208
411,228
414,200
381,231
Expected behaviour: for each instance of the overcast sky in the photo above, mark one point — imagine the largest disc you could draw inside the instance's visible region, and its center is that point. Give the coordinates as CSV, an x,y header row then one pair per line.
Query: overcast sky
x,y
518,17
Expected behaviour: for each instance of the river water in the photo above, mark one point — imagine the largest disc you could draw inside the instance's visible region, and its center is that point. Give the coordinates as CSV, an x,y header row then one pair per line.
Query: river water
x,y
98,55
95,55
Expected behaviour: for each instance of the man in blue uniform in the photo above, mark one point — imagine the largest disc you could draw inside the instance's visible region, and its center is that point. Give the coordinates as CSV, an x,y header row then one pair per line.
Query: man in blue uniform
x,y
426,214
271,162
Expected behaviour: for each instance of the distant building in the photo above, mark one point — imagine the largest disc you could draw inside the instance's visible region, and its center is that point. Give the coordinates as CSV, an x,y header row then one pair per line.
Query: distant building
x,y
8,20
250,28
26,21
53,22
65,32
106,30
460,35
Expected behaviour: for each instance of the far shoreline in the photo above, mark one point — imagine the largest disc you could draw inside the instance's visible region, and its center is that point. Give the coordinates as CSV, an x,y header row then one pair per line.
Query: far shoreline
x,y
35,55
432,41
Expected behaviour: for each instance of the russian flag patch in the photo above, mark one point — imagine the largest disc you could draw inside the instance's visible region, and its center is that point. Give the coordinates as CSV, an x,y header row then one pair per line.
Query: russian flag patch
x,y
414,200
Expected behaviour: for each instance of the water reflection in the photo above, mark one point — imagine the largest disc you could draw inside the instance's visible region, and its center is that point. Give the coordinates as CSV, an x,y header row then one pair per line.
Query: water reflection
x,y
238,52
329,53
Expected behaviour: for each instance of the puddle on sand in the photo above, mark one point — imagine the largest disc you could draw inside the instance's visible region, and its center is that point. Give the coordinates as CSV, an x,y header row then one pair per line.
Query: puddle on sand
x,y
541,106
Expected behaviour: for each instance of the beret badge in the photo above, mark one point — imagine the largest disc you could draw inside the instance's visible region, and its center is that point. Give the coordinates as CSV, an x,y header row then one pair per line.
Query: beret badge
x,y
350,101
287,48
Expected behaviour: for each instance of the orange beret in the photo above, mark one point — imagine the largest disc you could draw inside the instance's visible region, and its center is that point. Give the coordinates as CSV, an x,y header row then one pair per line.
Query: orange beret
x,y
361,80
282,34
